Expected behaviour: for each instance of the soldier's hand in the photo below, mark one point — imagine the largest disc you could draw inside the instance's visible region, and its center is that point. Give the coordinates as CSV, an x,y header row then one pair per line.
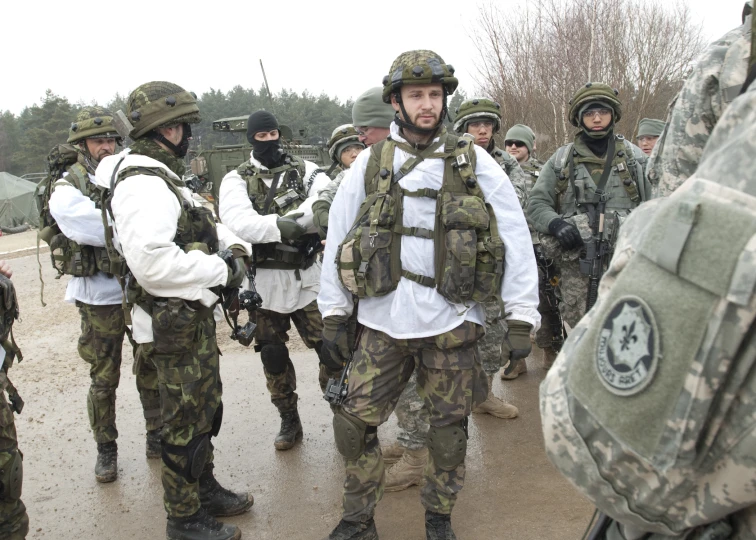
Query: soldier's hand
x,y
336,337
518,339
290,229
320,216
235,269
566,234
5,269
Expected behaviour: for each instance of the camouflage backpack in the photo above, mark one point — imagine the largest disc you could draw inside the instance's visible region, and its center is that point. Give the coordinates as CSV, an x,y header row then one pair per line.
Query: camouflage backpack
x,y
651,414
469,254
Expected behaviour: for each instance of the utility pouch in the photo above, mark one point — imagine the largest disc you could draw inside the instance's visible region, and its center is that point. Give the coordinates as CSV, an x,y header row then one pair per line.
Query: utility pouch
x,y
463,212
489,268
367,265
286,199
174,325
202,224
70,258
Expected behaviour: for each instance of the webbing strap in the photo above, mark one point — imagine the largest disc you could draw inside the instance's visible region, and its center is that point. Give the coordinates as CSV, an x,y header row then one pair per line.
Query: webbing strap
x,y
424,192
417,278
419,232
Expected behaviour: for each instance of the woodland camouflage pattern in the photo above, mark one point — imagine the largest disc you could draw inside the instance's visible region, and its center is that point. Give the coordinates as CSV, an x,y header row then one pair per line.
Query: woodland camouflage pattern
x,y
100,345
14,522
272,328
691,470
452,383
715,82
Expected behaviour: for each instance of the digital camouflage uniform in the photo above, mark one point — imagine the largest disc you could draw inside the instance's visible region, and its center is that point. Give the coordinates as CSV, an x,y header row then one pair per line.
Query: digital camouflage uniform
x,y
651,406
450,380
554,197
14,522
100,345
715,81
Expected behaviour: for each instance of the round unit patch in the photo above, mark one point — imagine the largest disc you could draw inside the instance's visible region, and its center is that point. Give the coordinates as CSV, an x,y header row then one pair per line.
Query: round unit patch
x,y
628,347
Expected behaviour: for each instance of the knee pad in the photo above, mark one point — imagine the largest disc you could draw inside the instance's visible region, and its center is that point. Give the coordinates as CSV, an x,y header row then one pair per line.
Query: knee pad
x,y
325,357
11,477
275,358
448,444
217,420
196,453
349,433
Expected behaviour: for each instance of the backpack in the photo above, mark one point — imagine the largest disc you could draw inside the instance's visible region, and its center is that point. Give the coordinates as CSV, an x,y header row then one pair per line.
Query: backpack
x,y
651,412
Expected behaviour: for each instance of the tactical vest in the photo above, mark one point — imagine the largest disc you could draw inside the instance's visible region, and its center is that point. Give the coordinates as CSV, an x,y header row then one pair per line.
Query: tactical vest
x,y
291,188
576,188
195,229
67,256
469,254
653,420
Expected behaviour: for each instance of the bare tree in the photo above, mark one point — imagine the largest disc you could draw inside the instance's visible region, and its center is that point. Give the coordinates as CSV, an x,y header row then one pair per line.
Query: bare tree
x,y
532,61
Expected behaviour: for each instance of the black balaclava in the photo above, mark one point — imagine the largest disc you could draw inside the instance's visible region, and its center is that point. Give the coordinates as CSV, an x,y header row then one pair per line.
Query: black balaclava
x,y
268,153
179,149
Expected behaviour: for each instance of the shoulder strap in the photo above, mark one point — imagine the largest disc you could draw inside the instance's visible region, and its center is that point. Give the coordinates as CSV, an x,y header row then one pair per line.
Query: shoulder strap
x,y
373,164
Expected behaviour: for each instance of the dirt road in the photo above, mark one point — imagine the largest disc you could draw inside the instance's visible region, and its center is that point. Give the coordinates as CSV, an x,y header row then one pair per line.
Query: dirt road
x,y
511,491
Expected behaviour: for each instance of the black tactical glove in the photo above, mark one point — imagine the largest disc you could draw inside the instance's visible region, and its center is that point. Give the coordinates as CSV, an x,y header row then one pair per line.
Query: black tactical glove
x,y
518,339
320,217
235,269
566,234
336,337
290,229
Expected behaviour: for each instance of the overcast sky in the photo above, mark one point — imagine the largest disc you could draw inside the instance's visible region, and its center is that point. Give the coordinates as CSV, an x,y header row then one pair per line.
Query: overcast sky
x,y
87,51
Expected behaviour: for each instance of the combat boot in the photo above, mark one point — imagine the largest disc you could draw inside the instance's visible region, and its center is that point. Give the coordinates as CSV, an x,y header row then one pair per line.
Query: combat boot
x,y
354,530
549,355
219,501
200,526
513,369
495,406
291,430
106,468
408,471
154,444
392,453
438,526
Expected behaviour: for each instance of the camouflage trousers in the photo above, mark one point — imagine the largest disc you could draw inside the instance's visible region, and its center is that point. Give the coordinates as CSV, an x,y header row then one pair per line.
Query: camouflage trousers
x,y
14,522
100,345
451,382
572,292
492,347
412,417
272,328
545,334
185,354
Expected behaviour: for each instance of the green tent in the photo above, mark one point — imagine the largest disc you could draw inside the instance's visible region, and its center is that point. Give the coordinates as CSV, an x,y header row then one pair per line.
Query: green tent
x,y
17,202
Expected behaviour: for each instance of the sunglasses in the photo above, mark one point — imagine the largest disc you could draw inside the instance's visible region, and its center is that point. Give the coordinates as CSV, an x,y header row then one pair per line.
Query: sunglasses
x,y
518,144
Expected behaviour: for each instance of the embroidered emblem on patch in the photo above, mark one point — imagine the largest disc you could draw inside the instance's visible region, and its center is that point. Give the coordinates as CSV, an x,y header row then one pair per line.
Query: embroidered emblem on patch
x,y
628,347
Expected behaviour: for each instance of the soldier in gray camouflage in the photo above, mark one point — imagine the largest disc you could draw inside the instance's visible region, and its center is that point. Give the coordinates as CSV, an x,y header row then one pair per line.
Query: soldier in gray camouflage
x,y
563,205
715,81
650,409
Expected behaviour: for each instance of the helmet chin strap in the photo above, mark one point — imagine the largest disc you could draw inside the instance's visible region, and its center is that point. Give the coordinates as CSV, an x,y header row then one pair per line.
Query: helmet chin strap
x,y
179,150
405,125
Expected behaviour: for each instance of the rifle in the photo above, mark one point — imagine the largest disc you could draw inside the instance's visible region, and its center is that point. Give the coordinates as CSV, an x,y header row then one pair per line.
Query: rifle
x,y
233,302
336,391
596,250
548,289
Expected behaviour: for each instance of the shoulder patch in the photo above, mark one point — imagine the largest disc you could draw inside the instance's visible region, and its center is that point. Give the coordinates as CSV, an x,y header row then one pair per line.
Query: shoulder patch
x,y
628,348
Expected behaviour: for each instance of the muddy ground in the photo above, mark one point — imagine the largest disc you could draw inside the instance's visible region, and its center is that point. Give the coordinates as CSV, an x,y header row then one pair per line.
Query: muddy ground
x,y
511,490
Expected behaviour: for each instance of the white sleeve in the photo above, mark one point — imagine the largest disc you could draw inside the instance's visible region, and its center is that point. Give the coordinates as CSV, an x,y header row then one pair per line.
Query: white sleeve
x,y
76,215
334,299
146,218
519,288
236,213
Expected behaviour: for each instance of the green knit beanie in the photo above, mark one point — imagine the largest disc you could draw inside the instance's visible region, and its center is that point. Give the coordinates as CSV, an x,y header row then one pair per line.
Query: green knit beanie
x,y
522,133
650,127
370,110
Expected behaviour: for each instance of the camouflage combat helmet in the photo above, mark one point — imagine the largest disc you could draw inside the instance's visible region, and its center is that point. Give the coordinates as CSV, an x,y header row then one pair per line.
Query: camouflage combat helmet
x,y
474,109
160,104
92,123
341,138
594,92
418,67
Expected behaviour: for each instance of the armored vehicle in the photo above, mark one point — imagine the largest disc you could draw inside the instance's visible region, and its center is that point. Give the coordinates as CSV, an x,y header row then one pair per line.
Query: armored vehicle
x,y
210,166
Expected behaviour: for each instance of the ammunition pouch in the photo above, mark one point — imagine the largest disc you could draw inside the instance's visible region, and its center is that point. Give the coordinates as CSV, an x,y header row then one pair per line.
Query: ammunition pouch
x,y
196,454
12,477
448,445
